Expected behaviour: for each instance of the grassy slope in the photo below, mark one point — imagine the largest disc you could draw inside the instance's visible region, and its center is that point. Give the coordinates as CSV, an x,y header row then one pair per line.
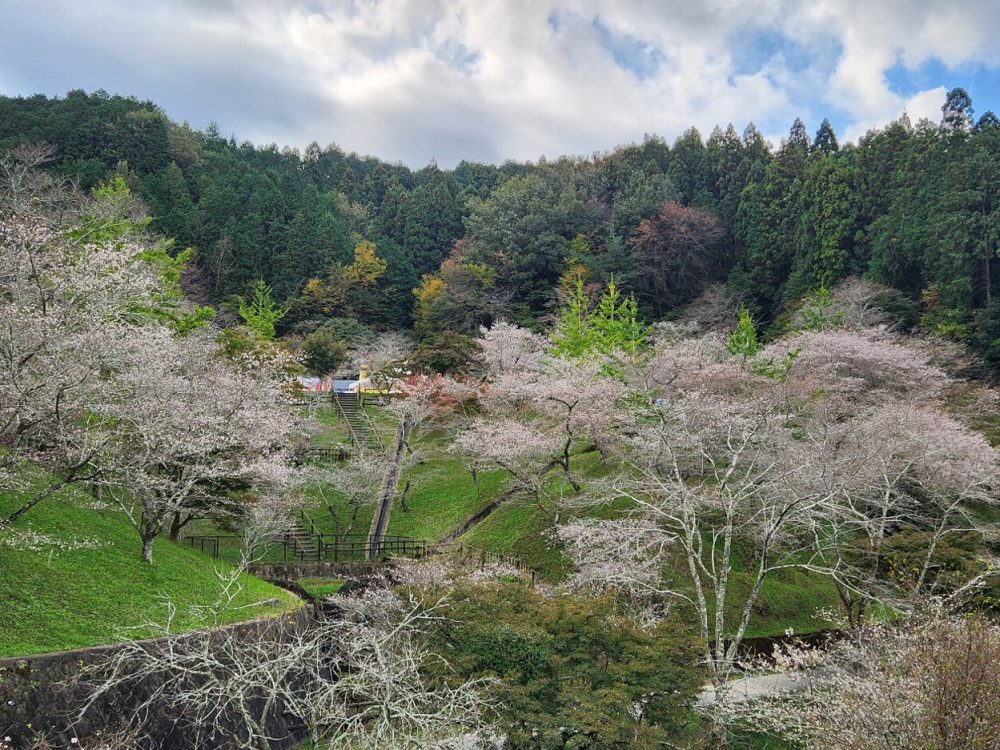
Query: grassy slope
x,y
52,600
317,588
790,598
442,496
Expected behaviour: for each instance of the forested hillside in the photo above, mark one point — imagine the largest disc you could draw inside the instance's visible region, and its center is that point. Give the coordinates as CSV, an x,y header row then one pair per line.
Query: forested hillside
x,y
346,238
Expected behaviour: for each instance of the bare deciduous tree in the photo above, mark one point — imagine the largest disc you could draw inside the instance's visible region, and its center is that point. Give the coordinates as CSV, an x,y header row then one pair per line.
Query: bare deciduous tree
x,y
355,682
347,487
27,188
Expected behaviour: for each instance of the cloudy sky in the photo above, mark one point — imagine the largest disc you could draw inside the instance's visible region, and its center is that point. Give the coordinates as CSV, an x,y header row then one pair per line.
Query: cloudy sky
x,y
498,79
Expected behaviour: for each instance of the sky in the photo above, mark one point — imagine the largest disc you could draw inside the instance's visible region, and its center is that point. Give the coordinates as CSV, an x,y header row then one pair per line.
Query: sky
x,y
491,80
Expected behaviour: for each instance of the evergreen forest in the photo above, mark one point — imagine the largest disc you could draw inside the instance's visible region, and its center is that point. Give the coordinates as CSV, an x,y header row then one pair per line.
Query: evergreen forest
x,y
354,245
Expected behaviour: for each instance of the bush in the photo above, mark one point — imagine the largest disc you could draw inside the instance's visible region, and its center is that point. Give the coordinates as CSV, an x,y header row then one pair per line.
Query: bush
x,y
574,672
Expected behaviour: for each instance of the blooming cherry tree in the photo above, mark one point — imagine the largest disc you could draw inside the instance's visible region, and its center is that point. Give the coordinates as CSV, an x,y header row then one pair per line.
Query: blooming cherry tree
x,y
181,426
64,308
791,455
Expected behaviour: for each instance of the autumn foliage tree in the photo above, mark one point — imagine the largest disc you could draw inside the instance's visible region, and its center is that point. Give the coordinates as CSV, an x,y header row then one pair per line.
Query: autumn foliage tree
x,y
346,288
677,255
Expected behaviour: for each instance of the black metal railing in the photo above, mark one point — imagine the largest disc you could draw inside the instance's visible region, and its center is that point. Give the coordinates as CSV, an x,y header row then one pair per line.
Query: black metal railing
x,y
322,455
318,547
313,546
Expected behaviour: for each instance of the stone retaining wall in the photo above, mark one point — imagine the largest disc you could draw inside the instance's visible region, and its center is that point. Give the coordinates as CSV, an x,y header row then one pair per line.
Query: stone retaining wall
x,y
297,570
40,696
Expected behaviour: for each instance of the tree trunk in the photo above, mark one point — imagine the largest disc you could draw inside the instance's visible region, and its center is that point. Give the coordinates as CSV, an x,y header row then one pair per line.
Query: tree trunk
x,y
403,496
70,478
988,280
150,526
176,524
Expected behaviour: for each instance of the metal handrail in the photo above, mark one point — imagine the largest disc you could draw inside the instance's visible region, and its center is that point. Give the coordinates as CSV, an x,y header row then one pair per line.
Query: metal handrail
x,y
345,548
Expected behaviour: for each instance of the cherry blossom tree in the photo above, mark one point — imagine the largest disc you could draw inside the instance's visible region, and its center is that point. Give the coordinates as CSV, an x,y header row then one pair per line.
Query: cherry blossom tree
x,y
774,459
929,684
714,474
26,187
514,446
506,347
64,307
104,375
537,408
181,425
865,367
383,360
854,304
913,467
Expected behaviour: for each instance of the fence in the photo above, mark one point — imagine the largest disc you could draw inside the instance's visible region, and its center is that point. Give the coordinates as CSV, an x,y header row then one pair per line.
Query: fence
x,y
333,453
303,547
316,547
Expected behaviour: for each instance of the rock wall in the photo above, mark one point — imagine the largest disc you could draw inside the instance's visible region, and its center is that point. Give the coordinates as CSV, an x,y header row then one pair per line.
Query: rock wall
x,y
297,570
40,697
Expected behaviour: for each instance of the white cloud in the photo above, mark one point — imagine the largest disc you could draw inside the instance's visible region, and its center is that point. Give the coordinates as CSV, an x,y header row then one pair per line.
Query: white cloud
x,y
493,80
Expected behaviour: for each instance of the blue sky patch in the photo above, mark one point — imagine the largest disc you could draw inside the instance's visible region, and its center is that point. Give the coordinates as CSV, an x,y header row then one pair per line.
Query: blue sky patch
x,y
752,50
634,55
982,83
457,56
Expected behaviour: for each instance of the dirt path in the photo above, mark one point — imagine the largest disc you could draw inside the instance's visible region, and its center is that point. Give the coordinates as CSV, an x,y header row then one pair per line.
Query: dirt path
x,y
475,518
762,686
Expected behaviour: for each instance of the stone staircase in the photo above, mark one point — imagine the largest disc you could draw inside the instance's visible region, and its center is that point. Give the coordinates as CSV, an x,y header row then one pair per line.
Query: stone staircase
x,y
303,541
351,409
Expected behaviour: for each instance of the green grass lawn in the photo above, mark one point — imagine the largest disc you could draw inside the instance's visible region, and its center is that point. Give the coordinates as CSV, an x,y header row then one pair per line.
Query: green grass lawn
x,y
54,599
333,430
317,588
524,529
442,495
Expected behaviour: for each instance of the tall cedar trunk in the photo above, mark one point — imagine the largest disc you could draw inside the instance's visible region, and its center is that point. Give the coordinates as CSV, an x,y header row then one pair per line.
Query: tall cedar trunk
x,y
988,280
390,483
